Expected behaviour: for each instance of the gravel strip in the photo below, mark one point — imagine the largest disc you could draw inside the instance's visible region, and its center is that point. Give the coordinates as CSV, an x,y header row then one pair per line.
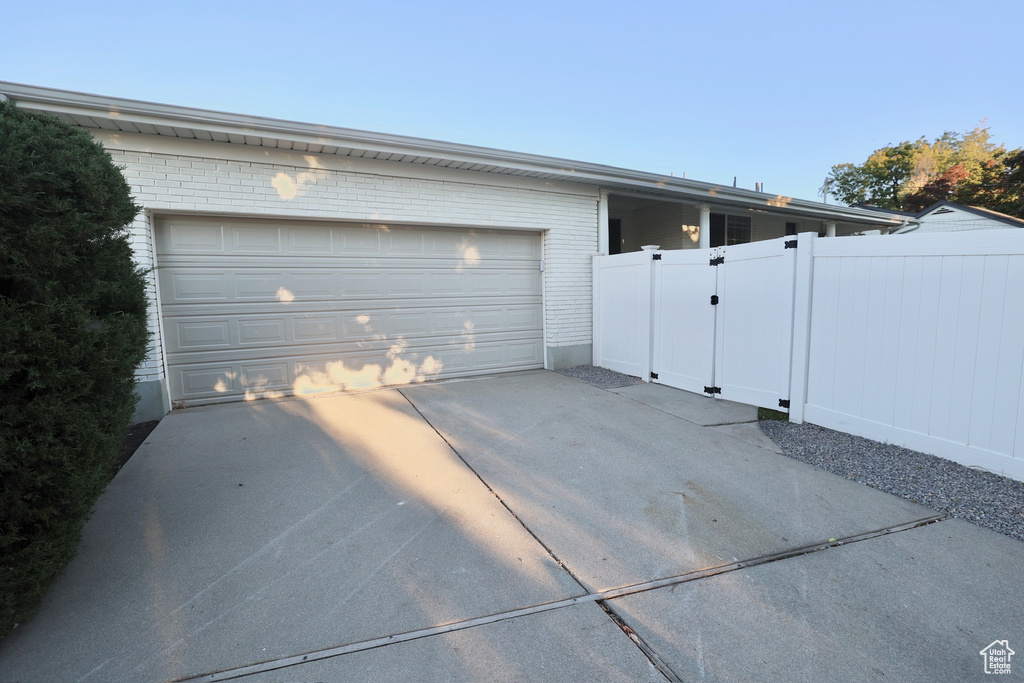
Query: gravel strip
x,y
600,377
977,496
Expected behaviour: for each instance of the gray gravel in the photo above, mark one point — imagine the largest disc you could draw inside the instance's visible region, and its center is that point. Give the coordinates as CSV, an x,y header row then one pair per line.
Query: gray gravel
x,y
600,377
977,496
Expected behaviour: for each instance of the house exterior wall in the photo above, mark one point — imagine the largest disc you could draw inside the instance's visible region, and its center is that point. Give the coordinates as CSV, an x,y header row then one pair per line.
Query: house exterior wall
x,y
174,176
956,220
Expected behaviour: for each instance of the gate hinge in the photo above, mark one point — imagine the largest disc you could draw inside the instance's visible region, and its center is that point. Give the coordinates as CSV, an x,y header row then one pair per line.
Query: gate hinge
x,y
714,299
784,403
712,390
656,257
717,261
654,375
790,244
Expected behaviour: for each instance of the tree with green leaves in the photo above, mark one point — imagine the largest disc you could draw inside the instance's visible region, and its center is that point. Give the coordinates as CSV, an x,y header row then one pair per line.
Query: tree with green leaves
x,y
72,331
966,168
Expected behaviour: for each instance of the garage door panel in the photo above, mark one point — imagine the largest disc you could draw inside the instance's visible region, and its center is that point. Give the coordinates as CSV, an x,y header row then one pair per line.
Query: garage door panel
x,y
256,239
257,308
360,241
524,318
205,237
406,284
314,241
305,308
446,284
524,352
485,283
263,286
520,246
204,334
194,287
405,242
310,374
191,238
313,286
208,380
265,376
315,329
362,285
523,283
409,324
361,325
373,342
262,332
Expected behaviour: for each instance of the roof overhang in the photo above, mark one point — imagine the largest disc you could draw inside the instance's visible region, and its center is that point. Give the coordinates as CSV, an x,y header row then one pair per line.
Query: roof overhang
x,y
146,118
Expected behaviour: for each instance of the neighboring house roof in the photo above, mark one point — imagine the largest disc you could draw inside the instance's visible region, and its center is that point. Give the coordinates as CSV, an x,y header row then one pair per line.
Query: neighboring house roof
x,y
945,207
1010,221
132,116
879,209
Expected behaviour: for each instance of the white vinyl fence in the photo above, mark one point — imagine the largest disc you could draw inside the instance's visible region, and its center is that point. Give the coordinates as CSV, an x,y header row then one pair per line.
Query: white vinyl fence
x,y
912,340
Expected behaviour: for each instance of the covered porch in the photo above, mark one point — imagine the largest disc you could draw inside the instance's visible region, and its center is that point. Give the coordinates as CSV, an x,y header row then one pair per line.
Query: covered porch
x,y
631,220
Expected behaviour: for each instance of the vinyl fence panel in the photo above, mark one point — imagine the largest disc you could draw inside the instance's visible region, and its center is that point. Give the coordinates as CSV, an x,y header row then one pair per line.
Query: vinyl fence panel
x,y
754,332
684,319
920,342
622,313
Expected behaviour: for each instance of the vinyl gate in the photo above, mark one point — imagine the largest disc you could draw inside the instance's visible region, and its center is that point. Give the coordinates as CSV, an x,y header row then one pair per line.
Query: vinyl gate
x,y
916,341
718,321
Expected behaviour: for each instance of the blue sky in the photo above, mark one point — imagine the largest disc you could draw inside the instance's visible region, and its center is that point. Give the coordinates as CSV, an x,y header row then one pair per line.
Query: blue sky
x,y
766,91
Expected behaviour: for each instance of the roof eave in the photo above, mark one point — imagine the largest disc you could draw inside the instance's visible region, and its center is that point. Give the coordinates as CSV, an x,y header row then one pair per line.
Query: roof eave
x,y
242,129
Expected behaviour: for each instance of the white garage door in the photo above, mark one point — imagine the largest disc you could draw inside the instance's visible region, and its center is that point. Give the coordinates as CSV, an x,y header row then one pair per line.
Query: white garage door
x,y
256,308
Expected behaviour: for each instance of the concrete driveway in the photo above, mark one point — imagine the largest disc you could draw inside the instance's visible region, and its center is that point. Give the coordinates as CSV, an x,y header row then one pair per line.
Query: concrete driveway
x,y
519,527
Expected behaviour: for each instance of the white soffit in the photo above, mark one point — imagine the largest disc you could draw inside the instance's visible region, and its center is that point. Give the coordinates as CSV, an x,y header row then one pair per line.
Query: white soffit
x,y
132,116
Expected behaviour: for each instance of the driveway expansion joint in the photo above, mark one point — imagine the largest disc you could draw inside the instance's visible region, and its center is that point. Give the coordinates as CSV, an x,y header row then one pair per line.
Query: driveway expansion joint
x,y
547,549
599,597
657,662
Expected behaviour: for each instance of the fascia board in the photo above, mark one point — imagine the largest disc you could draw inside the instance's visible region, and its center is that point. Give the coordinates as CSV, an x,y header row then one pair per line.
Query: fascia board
x,y
224,123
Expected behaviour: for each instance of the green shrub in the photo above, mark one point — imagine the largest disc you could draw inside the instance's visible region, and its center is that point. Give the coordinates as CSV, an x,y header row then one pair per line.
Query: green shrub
x,y
72,332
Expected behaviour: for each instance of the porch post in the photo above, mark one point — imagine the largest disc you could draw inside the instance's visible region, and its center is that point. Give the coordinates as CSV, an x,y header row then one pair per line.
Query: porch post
x,y
704,236
830,229
602,223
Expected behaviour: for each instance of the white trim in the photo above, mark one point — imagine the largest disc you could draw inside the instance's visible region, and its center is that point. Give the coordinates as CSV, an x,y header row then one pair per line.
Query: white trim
x,y
151,231
544,298
704,235
602,223
595,318
981,242
167,212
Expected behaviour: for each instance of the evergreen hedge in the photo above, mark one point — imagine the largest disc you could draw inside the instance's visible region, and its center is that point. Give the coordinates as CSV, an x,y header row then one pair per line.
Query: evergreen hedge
x,y
72,332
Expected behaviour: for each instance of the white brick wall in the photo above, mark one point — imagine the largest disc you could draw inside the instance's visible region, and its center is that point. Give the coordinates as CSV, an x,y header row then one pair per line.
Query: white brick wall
x,y
285,184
